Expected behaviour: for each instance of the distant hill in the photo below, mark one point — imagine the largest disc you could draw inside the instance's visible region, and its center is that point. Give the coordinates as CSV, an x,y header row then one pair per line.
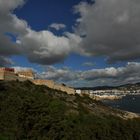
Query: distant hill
x,y
126,86
31,112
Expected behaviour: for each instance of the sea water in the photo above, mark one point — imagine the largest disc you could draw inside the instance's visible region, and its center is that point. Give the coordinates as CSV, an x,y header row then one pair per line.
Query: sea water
x,y
129,103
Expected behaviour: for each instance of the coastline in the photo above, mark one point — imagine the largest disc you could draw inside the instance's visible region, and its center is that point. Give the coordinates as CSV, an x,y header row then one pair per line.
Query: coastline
x,y
106,97
128,103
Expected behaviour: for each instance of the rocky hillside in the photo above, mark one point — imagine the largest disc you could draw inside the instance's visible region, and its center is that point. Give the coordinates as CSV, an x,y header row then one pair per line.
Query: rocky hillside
x,y
30,112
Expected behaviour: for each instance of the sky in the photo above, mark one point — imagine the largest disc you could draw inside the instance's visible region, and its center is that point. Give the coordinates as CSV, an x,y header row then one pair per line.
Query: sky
x,y
77,42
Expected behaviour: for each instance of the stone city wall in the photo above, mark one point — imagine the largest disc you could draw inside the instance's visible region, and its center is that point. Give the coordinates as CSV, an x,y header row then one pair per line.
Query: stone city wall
x,y
64,88
48,83
53,85
26,74
7,74
1,74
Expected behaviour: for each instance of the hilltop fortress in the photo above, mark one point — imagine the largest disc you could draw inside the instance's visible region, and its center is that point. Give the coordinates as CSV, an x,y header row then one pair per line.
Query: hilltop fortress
x,y
9,74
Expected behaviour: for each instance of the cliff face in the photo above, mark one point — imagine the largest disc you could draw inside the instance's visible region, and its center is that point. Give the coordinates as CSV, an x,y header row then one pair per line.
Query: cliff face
x,y
28,111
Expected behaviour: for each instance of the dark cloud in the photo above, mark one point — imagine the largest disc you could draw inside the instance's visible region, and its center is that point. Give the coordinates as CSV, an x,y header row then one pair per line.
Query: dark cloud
x,y
7,47
4,61
111,29
10,24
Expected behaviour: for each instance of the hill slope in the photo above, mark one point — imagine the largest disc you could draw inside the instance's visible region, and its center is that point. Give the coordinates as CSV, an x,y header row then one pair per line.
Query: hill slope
x,y
30,112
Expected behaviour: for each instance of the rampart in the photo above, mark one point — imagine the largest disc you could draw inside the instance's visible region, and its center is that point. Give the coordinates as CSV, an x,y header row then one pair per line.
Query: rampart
x,y
53,85
25,74
48,83
64,88
9,74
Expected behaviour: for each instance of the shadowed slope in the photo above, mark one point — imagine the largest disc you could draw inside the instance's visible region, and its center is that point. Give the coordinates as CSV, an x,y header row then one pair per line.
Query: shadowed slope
x,y
35,112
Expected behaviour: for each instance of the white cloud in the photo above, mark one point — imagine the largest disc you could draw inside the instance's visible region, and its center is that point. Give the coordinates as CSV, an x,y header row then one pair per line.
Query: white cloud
x,y
44,47
88,64
95,77
19,68
61,75
57,26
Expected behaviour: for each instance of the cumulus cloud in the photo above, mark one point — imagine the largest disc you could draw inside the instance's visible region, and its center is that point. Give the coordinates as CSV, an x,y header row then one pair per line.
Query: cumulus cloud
x,y
57,26
10,24
110,28
114,76
62,75
41,47
95,77
6,6
44,47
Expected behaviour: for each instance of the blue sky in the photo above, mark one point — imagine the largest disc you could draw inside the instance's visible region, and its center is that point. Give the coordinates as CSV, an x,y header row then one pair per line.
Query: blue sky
x,y
41,13
86,38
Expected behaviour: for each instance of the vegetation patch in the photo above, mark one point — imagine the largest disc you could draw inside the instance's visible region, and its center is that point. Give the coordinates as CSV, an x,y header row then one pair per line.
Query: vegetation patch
x,y
30,112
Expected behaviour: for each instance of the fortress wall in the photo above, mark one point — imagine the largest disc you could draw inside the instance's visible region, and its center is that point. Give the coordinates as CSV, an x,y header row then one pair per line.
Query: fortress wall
x,y
28,74
25,77
53,85
10,76
7,74
48,83
22,79
64,88
1,75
